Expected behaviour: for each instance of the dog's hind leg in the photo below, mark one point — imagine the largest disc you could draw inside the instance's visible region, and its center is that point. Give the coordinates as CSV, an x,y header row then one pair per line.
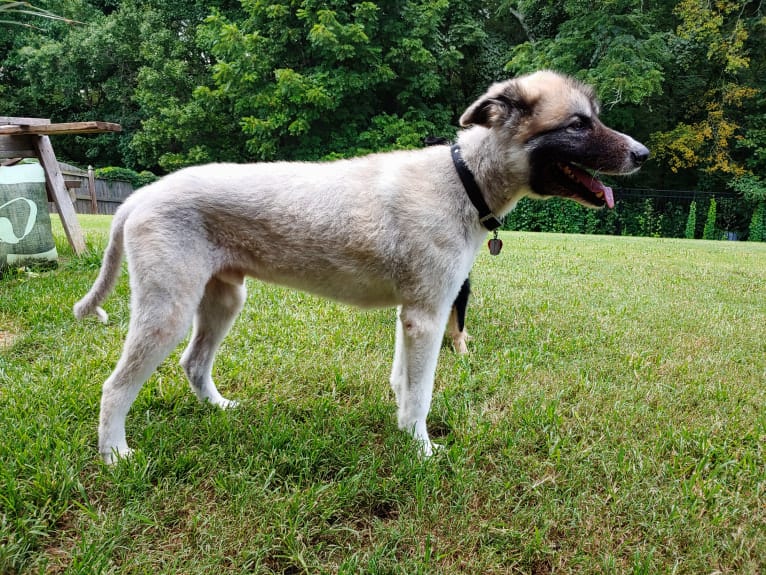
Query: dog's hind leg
x,y
417,350
222,302
158,324
166,289
456,325
399,369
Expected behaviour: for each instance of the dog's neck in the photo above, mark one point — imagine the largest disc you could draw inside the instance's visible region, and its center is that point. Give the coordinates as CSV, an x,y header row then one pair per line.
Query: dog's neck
x,y
488,219
499,175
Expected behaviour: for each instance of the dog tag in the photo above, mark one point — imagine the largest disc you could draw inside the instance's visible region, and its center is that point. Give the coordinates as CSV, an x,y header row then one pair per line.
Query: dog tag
x,y
495,245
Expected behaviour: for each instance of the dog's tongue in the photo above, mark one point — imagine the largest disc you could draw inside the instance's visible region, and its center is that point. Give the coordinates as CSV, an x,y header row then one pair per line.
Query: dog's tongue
x,y
594,185
606,190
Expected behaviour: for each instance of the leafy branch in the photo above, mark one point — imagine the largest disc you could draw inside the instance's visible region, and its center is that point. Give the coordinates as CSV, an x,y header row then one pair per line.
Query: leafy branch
x,y
14,7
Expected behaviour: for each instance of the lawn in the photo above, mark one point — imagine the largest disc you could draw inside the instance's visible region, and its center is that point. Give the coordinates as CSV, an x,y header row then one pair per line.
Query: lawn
x,y
610,418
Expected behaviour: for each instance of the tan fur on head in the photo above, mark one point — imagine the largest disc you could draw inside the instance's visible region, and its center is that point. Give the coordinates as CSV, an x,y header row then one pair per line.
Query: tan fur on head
x,y
539,98
502,102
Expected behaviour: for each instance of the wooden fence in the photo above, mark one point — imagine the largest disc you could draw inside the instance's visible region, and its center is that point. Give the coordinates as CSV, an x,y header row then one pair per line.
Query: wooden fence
x,y
109,193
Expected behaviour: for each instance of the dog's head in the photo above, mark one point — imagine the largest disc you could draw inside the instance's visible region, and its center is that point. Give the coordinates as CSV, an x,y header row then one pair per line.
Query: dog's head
x,y
554,118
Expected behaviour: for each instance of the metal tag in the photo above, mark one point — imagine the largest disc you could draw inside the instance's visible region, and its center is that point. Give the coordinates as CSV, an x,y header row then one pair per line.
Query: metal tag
x,y
495,245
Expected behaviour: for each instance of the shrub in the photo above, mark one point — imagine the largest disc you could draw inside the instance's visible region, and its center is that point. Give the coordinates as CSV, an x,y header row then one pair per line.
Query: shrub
x,y
649,222
709,232
137,179
691,221
633,216
757,223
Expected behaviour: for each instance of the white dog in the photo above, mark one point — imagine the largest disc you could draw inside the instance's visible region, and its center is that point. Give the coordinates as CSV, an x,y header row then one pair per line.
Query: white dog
x,y
396,229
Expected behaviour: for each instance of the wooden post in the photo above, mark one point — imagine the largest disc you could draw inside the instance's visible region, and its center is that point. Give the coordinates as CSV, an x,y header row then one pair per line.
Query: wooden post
x,y
92,190
57,189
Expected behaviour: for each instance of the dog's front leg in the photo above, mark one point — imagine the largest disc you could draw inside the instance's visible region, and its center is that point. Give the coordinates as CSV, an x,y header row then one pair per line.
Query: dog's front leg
x,y
418,339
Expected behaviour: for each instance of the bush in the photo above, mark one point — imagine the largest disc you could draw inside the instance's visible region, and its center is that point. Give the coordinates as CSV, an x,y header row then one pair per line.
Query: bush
x,y
757,223
633,216
649,220
554,215
691,221
709,232
137,179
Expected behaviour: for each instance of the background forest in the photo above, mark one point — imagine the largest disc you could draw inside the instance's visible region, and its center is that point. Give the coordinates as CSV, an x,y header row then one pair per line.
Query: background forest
x,y
194,81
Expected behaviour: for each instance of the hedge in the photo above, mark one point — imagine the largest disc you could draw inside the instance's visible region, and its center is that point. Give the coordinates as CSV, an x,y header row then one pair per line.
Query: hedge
x,y
635,216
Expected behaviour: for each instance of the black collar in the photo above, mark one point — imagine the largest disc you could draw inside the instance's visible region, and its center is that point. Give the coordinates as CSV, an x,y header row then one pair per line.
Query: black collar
x,y
486,217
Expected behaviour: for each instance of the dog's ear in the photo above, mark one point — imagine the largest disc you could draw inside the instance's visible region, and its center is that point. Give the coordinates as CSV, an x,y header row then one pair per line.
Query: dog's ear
x,y
502,105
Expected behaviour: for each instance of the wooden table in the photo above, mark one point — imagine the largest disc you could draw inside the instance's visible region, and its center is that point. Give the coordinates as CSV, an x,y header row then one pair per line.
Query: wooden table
x,y
29,138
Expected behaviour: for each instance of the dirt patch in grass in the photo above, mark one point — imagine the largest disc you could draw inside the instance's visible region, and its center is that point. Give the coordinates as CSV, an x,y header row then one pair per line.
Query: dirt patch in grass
x,y
7,338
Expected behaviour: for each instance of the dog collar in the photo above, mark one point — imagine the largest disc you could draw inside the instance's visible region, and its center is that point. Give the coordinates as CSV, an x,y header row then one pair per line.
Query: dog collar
x,y
486,217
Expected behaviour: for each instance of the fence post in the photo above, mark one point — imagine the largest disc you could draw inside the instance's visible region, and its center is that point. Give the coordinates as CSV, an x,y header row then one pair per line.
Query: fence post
x,y
92,190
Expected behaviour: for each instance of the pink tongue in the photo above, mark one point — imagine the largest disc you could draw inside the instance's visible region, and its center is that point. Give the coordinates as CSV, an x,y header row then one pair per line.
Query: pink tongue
x,y
608,196
594,185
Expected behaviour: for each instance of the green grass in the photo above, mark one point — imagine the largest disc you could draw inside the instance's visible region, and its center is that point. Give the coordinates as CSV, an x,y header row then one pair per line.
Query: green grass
x,y
610,418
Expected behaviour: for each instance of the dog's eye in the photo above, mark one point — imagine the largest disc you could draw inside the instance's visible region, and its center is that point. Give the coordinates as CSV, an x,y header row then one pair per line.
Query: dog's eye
x,y
578,125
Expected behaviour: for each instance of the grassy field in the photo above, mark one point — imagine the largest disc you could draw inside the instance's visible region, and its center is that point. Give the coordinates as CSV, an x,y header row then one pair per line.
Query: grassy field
x,y
610,418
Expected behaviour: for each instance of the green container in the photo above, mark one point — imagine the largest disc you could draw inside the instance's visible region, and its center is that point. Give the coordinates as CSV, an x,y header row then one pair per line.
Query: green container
x,y
25,225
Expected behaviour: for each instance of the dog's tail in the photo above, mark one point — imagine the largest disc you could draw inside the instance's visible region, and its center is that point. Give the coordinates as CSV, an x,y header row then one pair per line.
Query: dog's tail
x,y
110,271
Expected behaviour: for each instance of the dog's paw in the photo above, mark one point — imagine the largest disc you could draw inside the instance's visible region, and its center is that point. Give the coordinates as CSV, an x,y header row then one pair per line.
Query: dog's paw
x,y
82,309
227,403
220,402
102,315
436,449
428,449
114,456
460,342
209,395
460,346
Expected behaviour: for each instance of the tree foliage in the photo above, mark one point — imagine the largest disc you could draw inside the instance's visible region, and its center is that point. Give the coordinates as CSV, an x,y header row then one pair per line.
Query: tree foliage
x,y
12,8
314,79
714,43
617,47
194,81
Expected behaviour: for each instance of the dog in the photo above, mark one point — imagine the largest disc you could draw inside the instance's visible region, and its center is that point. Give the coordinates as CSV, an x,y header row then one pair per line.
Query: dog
x,y
392,229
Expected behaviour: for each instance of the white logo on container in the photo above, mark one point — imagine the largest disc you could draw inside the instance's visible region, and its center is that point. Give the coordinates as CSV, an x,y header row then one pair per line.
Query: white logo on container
x,y
7,234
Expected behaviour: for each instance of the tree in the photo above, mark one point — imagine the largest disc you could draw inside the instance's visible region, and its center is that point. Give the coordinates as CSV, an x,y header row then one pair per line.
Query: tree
x,y
615,46
691,221
757,229
104,69
10,8
709,232
751,148
343,79
177,66
712,48
193,81
87,73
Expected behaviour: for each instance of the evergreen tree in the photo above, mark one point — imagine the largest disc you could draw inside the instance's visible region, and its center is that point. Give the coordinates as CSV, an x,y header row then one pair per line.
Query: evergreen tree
x,y
757,223
709,232
691,221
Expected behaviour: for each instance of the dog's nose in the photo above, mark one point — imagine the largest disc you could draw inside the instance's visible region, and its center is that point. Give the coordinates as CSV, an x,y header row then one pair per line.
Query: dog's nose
x,y
639,154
